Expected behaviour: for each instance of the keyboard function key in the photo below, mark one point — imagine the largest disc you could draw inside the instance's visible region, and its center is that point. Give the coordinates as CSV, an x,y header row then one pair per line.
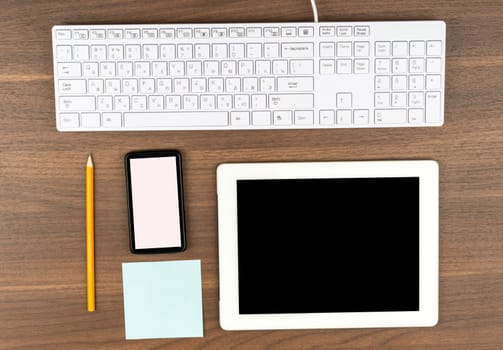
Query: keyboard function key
x,y
166,33
63,34
344,31
80,34
219,33
97,34
362,31
327,31
306,31
132,34
149,33
271,32
254,32
115,34
289,32
201,33
237,32
184,33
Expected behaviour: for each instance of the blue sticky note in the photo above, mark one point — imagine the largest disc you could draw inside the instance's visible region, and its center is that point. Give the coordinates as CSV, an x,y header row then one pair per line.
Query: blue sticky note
x,y
163,299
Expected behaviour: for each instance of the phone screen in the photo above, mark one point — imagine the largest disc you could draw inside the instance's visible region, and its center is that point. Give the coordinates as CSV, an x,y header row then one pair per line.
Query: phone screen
x,y
155,201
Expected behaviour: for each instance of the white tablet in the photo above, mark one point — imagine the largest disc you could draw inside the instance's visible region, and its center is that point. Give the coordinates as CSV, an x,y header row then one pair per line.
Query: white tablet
x,y
328,244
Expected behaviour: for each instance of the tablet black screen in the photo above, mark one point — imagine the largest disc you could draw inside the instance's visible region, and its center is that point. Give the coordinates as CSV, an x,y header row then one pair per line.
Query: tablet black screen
x,y
328,245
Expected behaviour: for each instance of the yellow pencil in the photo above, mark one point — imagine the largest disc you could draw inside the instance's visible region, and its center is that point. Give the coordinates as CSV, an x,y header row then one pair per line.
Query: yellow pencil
x,y
90,233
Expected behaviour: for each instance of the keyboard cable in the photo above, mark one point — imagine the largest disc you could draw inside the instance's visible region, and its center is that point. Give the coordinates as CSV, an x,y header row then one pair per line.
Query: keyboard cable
x,y
315,10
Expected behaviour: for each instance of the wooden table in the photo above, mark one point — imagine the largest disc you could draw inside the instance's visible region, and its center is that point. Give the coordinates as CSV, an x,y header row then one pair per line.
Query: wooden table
x,y
42,205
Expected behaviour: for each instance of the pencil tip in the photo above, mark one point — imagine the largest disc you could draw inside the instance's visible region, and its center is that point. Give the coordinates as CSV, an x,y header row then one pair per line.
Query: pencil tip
x,y
90,160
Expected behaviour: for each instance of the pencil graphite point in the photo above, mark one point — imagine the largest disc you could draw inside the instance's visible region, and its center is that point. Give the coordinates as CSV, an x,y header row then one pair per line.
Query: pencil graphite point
x,y
90,161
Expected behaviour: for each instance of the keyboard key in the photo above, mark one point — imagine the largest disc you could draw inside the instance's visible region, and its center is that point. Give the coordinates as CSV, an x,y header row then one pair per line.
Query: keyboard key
x,y
90,120
344,31
240,118
361,66
361,116
295,84
416,116
69,69
433,82
74,103
343,49
327,117
434,48
64,53
301,67
63,34
433,107
69,120
417,48
327,31
433,65
327,67
382,83
382,48
282,117
112,120
261,118
175,119
399,99
327,49
381,99
344,67
362,49
362,31
293,101
390,116
304,117
72,87
306,31
300,50
344,100
400,48
343,117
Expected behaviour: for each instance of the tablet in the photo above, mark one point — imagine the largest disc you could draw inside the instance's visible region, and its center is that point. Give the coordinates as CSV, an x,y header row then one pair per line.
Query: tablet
x,y
328,244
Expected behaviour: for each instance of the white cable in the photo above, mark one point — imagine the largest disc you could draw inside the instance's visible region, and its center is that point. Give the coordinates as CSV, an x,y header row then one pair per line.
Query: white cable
x,y
315,10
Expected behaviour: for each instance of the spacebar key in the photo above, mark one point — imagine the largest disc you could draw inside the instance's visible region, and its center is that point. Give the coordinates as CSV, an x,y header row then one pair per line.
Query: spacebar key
x,y
175,119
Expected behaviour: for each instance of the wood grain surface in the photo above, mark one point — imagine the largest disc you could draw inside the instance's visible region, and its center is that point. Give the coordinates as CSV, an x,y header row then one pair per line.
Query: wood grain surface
x,y
42,184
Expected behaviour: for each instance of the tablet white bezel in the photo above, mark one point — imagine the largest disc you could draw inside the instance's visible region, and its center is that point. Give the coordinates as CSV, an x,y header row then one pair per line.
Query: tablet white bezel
x,y
228,174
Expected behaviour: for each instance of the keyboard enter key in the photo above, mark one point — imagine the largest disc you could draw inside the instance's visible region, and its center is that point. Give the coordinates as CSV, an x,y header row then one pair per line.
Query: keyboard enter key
x,y
295,84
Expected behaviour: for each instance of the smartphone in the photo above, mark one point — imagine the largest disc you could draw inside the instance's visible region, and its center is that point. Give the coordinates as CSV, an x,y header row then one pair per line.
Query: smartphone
x,y
155,201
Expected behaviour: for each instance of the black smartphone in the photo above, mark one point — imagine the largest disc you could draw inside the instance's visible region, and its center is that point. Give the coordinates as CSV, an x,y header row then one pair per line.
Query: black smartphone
x,y
155,201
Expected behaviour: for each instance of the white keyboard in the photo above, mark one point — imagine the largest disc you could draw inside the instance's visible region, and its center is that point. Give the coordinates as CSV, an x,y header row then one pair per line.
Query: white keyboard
x,y
249,76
